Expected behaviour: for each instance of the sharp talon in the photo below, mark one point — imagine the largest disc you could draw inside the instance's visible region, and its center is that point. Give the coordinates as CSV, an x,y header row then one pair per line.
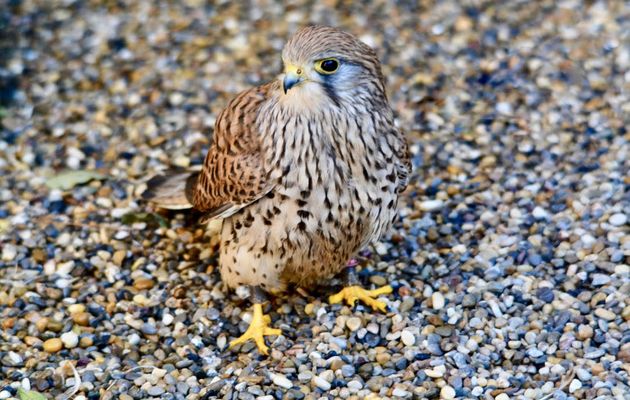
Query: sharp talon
x,y
353,293
257,331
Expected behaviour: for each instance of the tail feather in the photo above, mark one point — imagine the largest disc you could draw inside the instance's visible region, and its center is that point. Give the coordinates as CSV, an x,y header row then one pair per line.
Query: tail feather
x,y
172,190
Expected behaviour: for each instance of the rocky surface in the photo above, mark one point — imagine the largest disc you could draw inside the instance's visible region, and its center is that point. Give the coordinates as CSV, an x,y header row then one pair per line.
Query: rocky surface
x,y
509,262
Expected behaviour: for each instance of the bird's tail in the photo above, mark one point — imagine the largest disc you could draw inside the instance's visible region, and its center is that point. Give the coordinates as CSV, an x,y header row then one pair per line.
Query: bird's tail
x,y
172,190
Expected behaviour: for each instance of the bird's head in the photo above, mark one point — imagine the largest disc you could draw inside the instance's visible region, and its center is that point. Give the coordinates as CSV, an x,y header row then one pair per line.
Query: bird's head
x,y
326,64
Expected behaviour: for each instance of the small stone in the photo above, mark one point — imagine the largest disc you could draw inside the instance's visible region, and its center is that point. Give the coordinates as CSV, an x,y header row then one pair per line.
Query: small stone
x,y
447,392
81,318
282,381
76,308
605,314
321,383
575,385
398,392
14,359
407,338
584,332
53,345
600,279
143,283
133,339
383,358
347,370
167,319
502,396
9,252
431,205
438,300
119,257
618,219
155,391
545,294
378,280
149,329
539,213
407,304
70,339
436,372
353,323
354,385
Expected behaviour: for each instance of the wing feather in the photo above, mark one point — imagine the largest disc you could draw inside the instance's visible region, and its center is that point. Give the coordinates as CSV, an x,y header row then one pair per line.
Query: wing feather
x,y
233,174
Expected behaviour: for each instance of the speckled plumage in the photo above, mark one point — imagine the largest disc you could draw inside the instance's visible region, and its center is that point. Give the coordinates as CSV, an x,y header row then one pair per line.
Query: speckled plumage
x,y
304,179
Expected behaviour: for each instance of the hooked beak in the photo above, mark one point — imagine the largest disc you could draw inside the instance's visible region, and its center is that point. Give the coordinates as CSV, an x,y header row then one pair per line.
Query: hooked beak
x,y
292,76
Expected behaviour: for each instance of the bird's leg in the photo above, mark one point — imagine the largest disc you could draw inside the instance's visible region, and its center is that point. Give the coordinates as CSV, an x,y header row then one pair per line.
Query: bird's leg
x,y
353,291
259,327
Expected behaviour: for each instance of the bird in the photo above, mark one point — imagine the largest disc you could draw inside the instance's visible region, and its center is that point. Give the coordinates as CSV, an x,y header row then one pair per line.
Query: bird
x,y
305,171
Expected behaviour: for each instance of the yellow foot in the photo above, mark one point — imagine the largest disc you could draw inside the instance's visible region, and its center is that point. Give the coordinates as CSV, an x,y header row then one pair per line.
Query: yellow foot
x,y
257,330
353,293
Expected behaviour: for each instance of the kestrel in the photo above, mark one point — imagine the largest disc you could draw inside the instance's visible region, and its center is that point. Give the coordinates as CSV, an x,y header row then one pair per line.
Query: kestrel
x,y
305,171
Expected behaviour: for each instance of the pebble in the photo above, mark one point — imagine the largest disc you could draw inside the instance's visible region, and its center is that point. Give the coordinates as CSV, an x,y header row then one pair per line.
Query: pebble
x,y
400,393
605,314
447,392
155,391
321,383
281,381
600,280
584,332
70,340
618,219
8,252
431,205
353,323
407,338
438,300
575,385
354,385
53,345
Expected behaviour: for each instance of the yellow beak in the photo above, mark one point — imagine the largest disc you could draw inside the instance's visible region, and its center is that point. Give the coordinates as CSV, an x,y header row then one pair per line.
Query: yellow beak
x,y
293,75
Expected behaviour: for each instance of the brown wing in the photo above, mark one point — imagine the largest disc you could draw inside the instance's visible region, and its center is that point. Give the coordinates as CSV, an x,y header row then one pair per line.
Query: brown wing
x,y
233,174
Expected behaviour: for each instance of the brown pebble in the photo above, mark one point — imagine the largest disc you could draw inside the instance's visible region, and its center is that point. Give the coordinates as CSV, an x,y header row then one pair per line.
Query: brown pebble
x,y
53,345
584,332
8,323
383,358
81,318
86,341
41,324
54,326
32,341
179,292
597,369
39,255
119,256
142,284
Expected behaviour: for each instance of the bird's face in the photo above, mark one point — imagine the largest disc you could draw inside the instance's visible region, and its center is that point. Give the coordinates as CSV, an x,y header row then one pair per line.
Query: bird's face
x,y
323,64
319,71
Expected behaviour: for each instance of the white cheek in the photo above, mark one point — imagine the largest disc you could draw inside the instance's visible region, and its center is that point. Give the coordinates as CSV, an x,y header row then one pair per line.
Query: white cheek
x,y
305,97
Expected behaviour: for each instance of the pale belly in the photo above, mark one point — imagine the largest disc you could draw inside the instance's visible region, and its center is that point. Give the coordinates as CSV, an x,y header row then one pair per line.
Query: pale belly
x,y
298,237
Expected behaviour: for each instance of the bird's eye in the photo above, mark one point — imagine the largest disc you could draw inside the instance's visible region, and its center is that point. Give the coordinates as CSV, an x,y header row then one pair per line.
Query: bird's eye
x,y
327,66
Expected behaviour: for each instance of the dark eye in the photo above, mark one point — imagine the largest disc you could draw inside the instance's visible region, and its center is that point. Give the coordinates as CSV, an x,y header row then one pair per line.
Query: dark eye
x,y
330,65
327,66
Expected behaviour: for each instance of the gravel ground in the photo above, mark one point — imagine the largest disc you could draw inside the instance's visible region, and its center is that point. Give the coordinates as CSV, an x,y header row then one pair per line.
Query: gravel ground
x,y
509,262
